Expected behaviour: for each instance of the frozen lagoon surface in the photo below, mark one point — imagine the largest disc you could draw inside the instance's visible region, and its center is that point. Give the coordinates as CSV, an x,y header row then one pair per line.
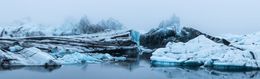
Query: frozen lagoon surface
x,y
122,70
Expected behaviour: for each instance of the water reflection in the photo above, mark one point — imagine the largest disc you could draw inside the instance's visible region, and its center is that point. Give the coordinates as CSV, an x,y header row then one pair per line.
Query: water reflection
x,y
138,68
31,68
9,68
203,73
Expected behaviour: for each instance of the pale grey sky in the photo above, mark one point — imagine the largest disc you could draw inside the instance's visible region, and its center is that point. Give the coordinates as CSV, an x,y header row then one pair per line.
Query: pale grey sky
x,y
211,16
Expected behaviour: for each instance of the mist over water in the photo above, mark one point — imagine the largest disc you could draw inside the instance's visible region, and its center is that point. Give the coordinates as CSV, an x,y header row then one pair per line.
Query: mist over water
x,y
213,17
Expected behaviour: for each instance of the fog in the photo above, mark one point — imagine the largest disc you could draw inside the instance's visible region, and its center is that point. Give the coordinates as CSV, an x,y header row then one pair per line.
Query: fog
x,y
211,16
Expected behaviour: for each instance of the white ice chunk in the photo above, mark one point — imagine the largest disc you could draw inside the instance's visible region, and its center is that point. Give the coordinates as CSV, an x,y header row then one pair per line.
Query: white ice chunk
x,y
15,48
34,56
29,56
77,58
202,50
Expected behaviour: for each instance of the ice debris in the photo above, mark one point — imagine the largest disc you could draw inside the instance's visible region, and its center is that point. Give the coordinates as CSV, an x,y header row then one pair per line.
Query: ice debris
x,y
203,52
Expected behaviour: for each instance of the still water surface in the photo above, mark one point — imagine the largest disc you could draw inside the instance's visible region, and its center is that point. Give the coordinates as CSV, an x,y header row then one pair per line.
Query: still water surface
x,y
122,70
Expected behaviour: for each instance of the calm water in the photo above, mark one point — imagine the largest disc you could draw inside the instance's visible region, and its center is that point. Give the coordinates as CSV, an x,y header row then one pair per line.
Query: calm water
x,y
121,70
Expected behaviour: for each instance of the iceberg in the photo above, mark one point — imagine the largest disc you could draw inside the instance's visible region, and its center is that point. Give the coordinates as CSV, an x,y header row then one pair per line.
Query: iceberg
x,y
76,58
27,57
35,57
80,58
65,56
202,51
249,39
135,36
15,48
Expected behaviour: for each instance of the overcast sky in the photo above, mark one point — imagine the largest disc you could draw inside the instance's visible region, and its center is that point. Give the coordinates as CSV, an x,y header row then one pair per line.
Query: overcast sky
x,y
211,16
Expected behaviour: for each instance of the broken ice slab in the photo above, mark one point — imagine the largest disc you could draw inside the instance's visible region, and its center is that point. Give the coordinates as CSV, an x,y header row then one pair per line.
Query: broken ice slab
x,y
203,52
35,57
112,42
27,57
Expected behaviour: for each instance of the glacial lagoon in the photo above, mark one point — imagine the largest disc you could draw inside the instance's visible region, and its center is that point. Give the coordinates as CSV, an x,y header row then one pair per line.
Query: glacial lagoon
x,y
137,69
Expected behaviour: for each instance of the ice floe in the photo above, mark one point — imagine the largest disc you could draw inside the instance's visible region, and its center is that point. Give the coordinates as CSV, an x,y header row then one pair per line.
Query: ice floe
x,y
203,52
27,57
80,58
77,58
35,57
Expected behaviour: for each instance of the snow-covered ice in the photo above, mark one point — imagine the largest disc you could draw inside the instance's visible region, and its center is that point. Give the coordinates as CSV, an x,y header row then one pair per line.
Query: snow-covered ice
x,y
35,57
248,39
79,58
203,51
29,56
15,48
